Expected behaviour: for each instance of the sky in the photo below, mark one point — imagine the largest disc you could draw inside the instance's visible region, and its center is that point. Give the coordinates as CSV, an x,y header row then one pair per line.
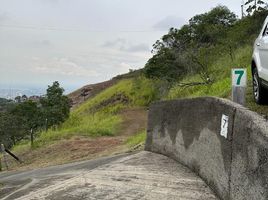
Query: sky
x,y
79,42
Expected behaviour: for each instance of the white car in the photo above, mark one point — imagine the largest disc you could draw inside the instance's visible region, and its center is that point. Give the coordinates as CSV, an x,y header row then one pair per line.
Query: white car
x,y
259,66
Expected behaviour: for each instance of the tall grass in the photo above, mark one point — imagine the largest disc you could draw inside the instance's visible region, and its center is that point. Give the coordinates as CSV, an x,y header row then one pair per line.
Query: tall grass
x,y
139,138
106,119
220,72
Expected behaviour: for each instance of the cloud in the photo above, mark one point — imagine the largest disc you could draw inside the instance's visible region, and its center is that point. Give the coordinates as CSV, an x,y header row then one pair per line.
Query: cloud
x,y
168,22
3,16
138,48
119,42
124,66
45,42
123,45
49,1
62,66
42,43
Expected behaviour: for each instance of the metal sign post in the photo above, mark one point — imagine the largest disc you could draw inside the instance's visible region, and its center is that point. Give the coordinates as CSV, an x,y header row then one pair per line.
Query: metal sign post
x,y
239,85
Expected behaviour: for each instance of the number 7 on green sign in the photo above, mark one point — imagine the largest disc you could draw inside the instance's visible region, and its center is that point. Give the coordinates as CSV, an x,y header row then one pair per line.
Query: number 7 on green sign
x,y
240,74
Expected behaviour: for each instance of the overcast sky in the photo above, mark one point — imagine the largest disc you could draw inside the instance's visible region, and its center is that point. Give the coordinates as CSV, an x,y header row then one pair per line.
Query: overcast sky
x,y
79,42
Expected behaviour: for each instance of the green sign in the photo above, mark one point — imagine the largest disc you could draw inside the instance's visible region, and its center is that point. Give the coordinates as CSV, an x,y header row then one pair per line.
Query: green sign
x,y
239,77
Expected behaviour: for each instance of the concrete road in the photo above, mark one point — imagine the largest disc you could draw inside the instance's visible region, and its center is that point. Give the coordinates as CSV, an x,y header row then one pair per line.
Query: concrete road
x,y
143,175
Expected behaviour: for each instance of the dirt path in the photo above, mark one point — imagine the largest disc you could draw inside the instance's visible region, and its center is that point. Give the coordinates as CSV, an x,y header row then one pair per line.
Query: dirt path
x,y
134,120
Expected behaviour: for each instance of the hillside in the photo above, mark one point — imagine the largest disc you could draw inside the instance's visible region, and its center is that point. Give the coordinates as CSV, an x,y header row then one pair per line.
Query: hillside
x,y
88,91
110,117
112,121
82,94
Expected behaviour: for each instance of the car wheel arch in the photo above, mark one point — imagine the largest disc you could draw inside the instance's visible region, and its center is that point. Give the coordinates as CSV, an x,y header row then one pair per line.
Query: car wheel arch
x,y
253,66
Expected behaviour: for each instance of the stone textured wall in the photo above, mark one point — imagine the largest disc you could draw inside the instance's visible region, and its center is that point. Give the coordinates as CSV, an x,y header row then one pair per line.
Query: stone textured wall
x,y
189,131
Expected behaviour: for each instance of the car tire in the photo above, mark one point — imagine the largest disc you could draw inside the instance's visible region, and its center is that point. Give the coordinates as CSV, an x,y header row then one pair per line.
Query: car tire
x,y
259,92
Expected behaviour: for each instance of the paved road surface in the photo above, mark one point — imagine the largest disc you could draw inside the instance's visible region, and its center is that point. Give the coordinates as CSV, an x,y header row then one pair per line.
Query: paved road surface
x,y
143,175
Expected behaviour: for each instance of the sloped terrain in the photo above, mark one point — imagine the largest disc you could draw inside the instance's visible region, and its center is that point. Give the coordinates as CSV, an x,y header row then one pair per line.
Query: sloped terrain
x,y
105,124
82,94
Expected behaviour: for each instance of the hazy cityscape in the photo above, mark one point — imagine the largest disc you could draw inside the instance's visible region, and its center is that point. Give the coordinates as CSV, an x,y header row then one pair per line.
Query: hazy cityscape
x,y
12,92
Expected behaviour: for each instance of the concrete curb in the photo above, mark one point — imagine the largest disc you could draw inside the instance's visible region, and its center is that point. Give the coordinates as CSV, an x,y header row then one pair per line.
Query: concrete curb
x,y
189,130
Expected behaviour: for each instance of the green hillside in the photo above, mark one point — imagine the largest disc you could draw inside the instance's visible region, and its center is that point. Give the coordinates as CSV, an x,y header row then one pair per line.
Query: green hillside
x,y
200,68
103,116
99,116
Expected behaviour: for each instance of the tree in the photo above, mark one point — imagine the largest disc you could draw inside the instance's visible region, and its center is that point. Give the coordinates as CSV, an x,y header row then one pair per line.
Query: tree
x,y
17,122
12,129
209,27
55,105
255,5
189,49
30,114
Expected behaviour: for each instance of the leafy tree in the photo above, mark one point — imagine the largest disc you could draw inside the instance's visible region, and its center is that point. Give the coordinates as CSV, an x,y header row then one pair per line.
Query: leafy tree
x,y
190,49
30,113
6,105
12,129
55,105
255,5
166,66
209,27
17,122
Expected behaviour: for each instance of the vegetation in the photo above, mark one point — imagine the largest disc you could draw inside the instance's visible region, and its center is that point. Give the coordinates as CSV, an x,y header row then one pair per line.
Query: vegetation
x,y
220,73
55,106
6,104
137,139
255,5
198,46
100,116
27,117
191,49
195,60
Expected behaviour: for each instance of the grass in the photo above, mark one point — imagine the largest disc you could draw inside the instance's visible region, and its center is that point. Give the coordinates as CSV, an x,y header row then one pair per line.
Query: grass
x,y
221,87
250,103
137,139
220,73
99,116
91,125
140,92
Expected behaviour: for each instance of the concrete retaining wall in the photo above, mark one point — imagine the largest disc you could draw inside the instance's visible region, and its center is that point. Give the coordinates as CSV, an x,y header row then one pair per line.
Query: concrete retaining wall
x,y
189,130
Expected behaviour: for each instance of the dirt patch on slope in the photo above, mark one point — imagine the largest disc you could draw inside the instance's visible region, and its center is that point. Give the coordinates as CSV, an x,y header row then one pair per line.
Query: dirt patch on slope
x,y
64,151
115,99
81,95
134,120
84,148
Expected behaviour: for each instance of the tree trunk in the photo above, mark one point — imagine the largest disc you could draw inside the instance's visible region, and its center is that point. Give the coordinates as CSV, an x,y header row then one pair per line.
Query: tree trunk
x,y
32,139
